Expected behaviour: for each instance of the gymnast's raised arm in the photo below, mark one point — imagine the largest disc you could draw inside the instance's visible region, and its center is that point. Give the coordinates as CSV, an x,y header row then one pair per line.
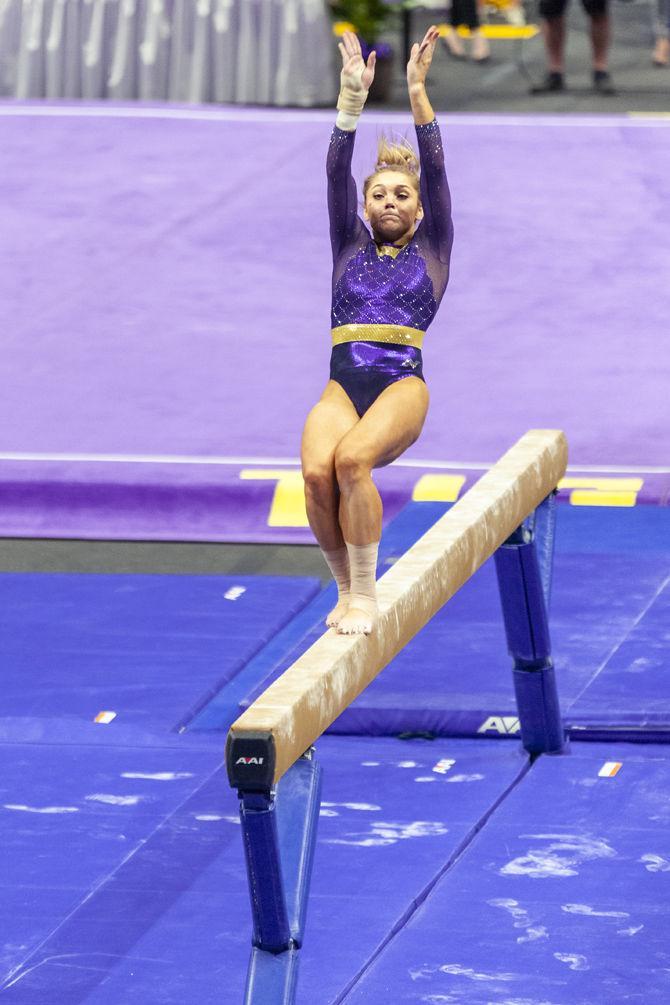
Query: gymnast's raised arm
x,y
355,80
437,225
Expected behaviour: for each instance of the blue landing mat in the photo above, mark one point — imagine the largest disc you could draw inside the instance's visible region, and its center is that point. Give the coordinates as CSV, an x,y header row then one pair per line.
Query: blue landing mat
x,y
73,819
168,919
394,815
454,678
153,649
605,596
634,682
563,899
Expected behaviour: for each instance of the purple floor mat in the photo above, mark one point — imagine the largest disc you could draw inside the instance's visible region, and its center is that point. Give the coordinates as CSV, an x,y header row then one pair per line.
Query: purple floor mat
x,y
150,649
161,300
167,917
608,622
558,897
561,900
71,819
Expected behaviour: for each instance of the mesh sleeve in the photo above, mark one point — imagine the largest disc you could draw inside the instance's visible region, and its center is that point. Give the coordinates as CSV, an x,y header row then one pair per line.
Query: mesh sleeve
x,y
345,224
436,228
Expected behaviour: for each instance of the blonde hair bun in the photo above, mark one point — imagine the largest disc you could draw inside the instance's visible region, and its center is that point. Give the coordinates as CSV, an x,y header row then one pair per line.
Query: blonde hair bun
x,y
398,155
395,155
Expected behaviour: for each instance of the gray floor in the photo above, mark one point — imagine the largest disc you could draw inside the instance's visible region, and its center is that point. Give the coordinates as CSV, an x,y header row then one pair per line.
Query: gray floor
x,y
502,84
161,558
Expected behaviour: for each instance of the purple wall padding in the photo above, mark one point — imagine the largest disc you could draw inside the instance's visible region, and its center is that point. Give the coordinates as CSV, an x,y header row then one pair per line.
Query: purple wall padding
x,y
165,292
190,501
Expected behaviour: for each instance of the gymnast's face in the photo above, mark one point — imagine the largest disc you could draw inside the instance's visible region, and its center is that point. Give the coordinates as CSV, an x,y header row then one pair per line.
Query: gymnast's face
x,y
392,207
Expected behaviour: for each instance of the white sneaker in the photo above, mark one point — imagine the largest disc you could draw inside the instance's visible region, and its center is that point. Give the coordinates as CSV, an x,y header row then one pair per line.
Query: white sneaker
x,y
514,14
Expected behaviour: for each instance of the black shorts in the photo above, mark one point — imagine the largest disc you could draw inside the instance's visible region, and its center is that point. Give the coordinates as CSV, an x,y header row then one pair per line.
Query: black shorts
x,y
551,9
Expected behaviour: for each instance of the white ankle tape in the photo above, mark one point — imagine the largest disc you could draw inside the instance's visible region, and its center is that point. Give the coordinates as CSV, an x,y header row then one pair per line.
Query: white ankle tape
x,y
358,602
338,563
363,568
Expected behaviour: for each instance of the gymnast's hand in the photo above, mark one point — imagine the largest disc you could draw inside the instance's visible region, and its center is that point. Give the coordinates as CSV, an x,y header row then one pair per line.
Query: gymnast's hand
x,y
356,75
421,57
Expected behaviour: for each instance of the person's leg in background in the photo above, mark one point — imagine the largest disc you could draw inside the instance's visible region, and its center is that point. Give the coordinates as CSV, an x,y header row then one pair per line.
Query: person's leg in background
x,y
661,52
552,13
466,12
480,49
451,39
598,12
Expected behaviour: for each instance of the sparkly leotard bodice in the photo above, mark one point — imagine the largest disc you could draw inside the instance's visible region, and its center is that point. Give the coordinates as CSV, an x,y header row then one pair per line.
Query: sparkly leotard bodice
x,y
387,285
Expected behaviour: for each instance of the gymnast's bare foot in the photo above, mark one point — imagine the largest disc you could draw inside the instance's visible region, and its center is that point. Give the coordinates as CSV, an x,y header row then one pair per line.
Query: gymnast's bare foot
x,y
338,612
361,617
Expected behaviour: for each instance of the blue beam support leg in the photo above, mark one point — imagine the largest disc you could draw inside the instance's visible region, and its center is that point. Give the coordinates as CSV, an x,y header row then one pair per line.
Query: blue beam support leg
x,y
279,832
264,871
523,566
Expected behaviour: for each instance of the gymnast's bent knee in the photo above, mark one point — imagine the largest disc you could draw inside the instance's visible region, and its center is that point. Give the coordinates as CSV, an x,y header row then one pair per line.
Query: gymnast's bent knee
x,y
319,482
350,467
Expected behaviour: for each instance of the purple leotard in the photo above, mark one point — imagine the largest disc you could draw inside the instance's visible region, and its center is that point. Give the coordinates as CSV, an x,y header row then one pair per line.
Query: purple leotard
x,y
373,285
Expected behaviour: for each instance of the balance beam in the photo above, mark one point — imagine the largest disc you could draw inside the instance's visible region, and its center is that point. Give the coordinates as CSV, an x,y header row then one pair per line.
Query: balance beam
x,y
300,705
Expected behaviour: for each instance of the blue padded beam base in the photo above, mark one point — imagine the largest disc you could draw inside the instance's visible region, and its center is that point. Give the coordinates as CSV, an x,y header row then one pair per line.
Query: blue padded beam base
x,y
272,978
522,595
266,885
298,808
543,528
523,566
539,711
279,833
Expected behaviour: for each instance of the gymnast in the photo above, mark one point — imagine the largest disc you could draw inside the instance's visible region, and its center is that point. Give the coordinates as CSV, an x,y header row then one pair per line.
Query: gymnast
x,y
386,291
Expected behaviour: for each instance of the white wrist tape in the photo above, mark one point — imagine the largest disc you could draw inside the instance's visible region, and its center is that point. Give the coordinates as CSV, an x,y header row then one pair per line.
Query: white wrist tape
x,y
346,121
351,99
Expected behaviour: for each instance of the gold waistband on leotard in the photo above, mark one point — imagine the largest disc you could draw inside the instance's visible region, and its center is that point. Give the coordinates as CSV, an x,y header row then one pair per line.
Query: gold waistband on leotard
x,y
395,334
